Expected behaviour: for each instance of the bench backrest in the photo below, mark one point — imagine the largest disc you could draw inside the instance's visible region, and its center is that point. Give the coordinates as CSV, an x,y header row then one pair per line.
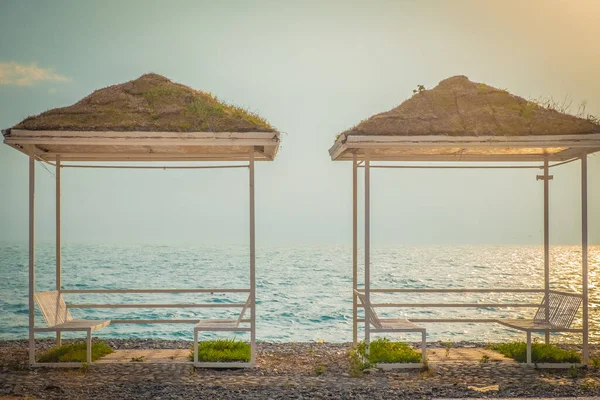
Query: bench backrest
x,y
562,308
244,309
370,313
52,307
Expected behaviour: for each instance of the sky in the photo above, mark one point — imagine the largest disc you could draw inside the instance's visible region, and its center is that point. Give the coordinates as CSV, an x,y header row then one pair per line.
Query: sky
x,y
312,69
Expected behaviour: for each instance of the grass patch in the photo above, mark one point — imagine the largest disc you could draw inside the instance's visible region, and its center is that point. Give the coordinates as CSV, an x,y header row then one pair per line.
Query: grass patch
x,y
222,350
385,351
540,353
75,352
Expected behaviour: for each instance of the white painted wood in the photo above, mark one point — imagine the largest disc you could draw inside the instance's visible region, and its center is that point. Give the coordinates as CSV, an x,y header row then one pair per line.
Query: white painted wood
x,y
153,321
231,328
224,364
105,291
195,346
89,346
150,157
391,366
252,259
156,167
31,255
454,290
21,133
537,140
528,347
354,248
58,237
456,320
367,248
546,245
76,326
159,305
514,145
584,258
133,141
457,166
454,305
572,142
558,157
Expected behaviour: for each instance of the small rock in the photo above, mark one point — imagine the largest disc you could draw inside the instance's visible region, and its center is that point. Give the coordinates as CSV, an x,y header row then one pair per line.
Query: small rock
x,y
371,371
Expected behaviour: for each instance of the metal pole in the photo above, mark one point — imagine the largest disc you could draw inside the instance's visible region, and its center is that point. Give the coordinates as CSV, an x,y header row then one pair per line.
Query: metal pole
x,y
584,256
367,249
252,261
31,256
58,238
354,249
546,245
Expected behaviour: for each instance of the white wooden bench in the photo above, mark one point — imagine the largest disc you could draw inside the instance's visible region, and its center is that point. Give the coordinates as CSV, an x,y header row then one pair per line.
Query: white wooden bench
x,y
221,325
562,308
59,319
381,325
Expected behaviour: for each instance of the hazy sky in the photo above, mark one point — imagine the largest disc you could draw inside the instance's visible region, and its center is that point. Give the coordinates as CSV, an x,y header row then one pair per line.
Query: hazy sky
x,y
312,69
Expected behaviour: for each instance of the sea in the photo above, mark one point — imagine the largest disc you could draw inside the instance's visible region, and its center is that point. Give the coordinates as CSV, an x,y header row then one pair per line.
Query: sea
x,y
304,293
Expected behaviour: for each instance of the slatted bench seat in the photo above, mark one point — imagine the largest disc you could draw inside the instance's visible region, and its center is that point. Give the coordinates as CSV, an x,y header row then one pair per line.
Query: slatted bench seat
x,y
562,308
221,325
59,319
381,325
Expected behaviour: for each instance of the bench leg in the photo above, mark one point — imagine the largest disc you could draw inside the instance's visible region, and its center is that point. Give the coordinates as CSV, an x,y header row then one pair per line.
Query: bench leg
x,y
528,347
89,346
424,346
195,346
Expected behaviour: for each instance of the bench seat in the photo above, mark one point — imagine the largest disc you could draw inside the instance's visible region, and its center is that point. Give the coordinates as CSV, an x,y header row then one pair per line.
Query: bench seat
x,y
76,325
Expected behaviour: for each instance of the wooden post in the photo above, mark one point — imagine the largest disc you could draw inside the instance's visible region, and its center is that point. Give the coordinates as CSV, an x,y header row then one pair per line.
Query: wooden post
x,y
584,256
252,261
354,248
367,249
547,244
31,255
58,238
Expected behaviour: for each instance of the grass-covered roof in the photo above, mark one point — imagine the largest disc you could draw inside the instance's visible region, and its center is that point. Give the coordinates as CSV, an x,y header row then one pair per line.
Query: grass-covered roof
x,y
459,107
149,103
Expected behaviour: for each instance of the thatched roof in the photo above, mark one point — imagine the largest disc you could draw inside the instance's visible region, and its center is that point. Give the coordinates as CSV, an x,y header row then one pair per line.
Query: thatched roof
x,y
149,103
459,107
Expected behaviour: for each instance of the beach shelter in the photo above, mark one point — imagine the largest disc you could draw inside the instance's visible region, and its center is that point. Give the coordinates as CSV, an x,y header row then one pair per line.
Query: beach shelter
x,y
150,119
463,124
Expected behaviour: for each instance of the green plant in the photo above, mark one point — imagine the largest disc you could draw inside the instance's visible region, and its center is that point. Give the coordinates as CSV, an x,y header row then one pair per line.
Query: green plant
x,y
75,352
385,351
448,346
320,370
540,353
595,362
85,367
588,384
138,359
573,372
357,363
427,370
484,359
222,350
419,89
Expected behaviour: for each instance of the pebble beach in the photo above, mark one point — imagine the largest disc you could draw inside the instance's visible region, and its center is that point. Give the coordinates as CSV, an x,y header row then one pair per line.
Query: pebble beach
x,y
287,370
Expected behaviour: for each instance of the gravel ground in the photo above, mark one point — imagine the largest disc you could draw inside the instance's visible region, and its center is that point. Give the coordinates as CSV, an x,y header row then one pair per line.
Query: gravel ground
x,y
284,370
